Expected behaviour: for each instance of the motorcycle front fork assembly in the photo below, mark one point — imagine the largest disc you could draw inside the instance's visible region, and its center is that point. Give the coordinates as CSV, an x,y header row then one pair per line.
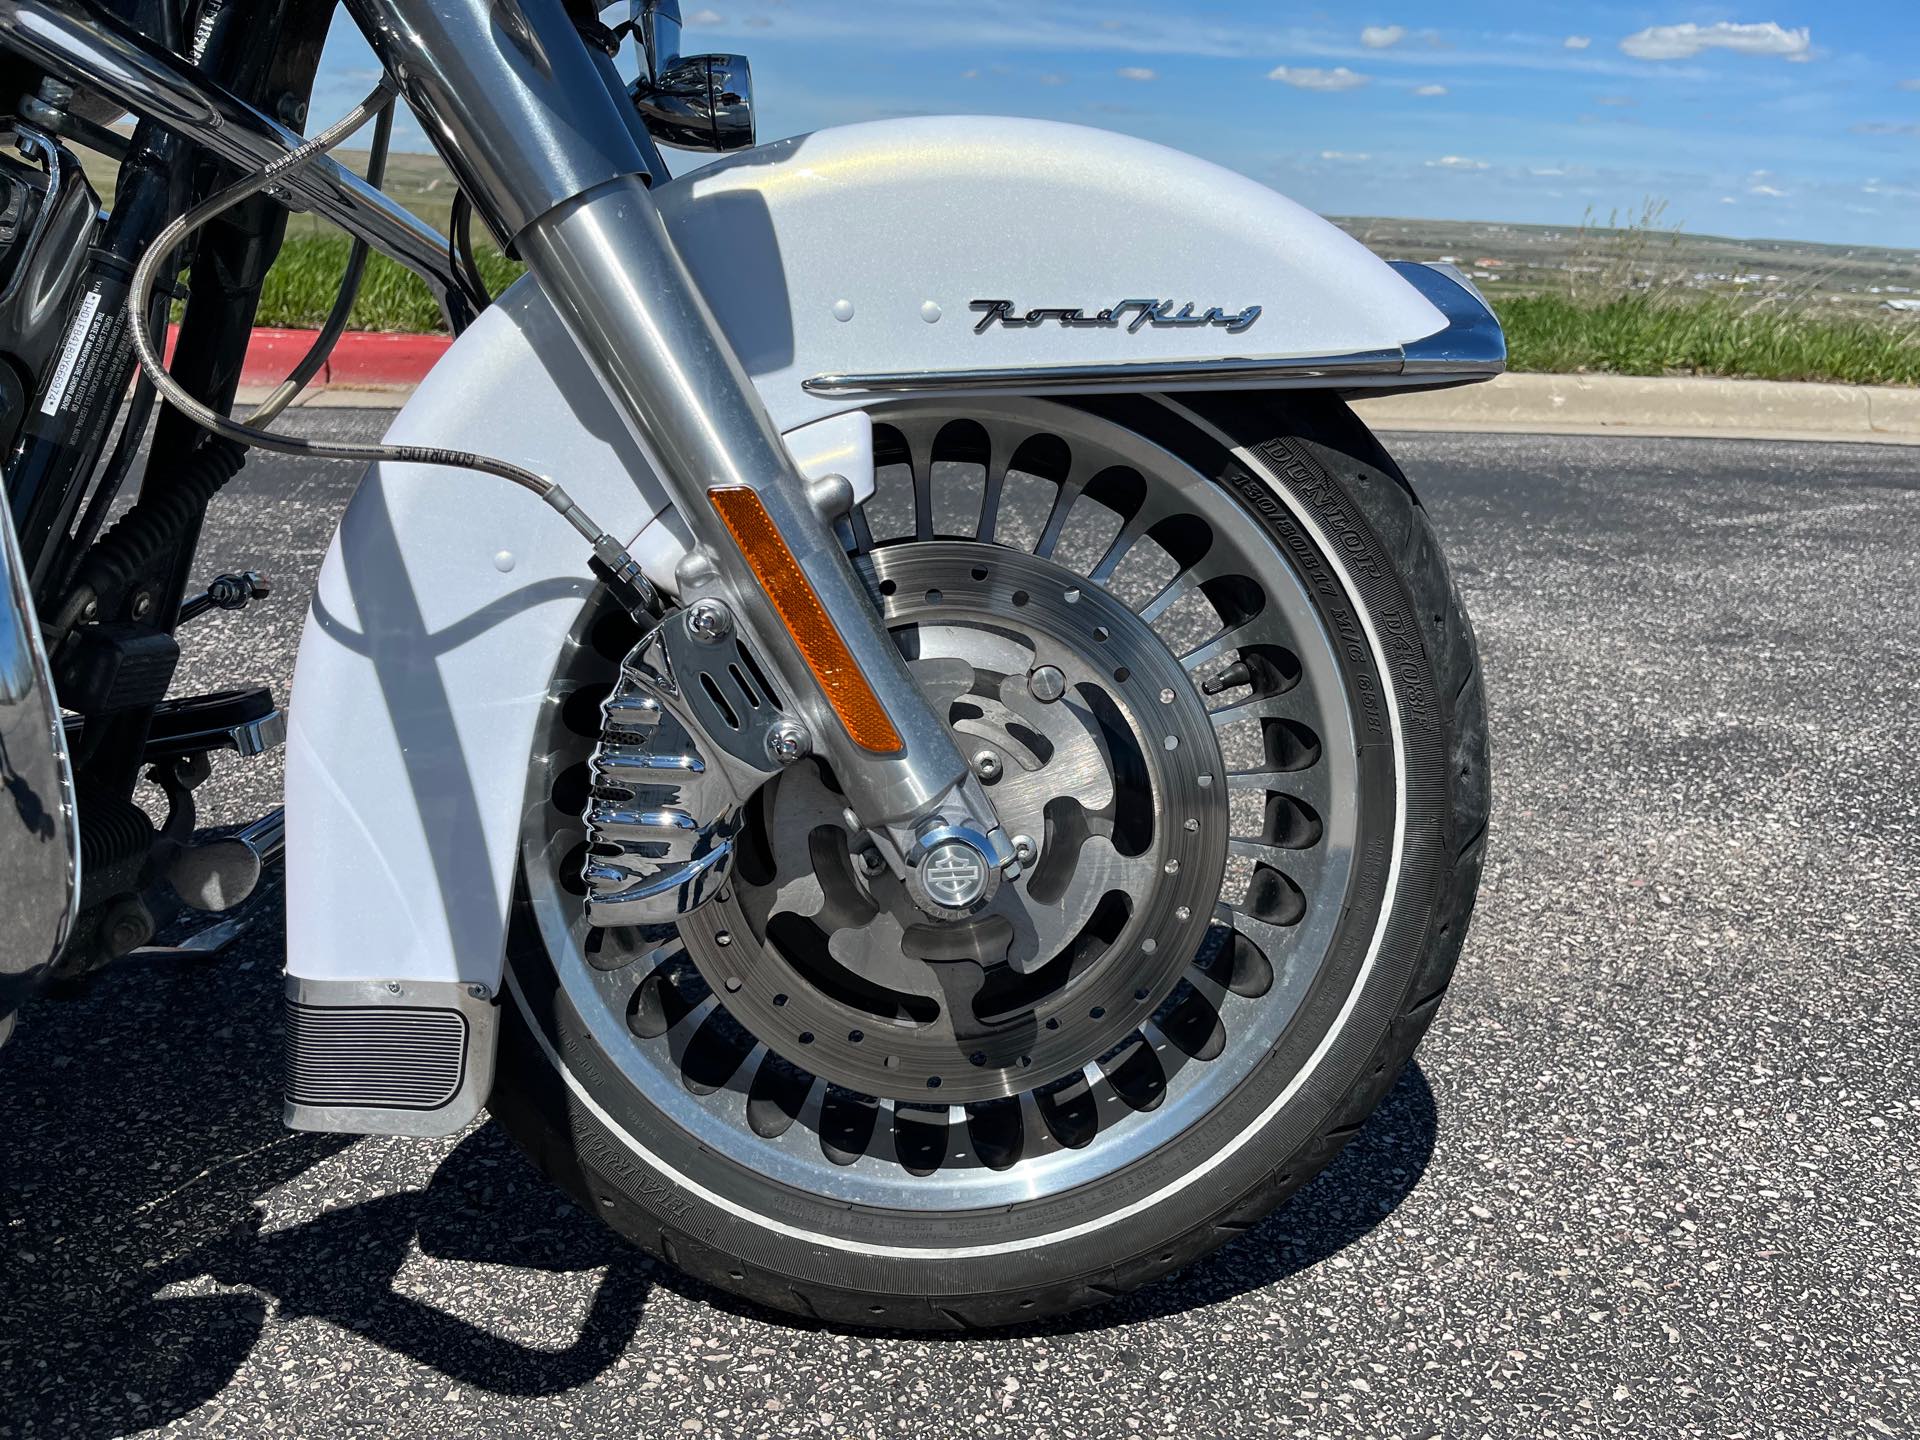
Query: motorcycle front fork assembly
x,y
537,128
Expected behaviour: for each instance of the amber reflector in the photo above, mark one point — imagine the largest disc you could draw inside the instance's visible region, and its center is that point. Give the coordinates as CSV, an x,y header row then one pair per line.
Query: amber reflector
x,y
806,619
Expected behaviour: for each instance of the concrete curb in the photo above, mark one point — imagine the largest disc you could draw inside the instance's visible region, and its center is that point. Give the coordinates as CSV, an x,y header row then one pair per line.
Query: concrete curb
x,y
1666,406
378,372
359,358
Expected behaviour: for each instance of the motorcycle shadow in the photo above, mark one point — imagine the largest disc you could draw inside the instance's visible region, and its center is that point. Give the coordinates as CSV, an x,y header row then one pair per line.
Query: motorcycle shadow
x,y
141,1144
139,1266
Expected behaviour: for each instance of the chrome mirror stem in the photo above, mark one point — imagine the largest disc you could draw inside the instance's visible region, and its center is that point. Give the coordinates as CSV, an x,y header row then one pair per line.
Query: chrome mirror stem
x,y
658,24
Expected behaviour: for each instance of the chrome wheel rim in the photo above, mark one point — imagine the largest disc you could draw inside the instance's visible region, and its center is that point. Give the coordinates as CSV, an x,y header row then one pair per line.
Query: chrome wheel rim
x,y
1143,582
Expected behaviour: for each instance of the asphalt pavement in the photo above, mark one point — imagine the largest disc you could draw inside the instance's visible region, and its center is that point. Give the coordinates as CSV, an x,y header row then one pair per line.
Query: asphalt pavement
x,y
1656,1170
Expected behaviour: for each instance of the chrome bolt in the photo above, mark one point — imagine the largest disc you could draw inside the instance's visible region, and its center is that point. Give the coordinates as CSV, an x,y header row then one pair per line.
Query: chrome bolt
x,y
723,937
872,861
709,622
1025,850
1046,684
986,765
787,742
142,605
478,992
1183,914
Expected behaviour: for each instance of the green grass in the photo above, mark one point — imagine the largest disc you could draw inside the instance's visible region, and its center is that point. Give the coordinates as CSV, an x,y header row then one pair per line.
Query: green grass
x,y
1649,333
300,288
1658,332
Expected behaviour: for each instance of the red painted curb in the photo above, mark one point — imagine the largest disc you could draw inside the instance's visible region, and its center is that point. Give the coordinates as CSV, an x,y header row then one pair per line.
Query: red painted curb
x,y
360,357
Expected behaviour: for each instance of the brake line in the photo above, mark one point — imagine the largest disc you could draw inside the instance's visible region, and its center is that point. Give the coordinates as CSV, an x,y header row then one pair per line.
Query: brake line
x,y
336,322
609,552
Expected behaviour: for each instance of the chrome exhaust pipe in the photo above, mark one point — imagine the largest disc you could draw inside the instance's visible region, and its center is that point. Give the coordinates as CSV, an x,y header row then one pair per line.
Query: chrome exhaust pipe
x,y
220,874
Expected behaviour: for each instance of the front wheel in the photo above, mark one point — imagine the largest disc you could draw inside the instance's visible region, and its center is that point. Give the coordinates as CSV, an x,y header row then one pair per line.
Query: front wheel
x,y
1207,658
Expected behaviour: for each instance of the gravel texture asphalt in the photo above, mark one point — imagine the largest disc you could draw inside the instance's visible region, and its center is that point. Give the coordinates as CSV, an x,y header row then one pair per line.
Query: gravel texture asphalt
x,y
1654,1172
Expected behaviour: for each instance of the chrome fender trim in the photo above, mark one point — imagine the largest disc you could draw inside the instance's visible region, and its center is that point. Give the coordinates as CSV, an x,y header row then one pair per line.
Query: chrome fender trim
x,y
1470,347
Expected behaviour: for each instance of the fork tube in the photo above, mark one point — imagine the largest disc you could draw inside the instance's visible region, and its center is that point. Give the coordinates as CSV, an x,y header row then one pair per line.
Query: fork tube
x,y
524,117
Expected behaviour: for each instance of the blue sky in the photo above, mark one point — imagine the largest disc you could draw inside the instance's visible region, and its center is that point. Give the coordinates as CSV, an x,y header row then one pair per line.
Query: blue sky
x,y
1796,123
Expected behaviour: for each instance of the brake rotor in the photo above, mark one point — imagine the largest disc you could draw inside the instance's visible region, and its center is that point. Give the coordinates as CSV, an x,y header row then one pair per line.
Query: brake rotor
x,y
1094,746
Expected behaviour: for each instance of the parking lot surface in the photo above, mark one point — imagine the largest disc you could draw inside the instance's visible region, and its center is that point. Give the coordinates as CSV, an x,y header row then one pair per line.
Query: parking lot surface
x,y
1656,1170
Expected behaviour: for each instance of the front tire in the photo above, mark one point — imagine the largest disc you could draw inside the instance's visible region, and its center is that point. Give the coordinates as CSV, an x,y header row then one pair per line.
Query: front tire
x,y
1264,1054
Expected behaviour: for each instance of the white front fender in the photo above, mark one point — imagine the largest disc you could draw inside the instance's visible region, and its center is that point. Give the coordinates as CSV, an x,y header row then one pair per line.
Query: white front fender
x,y
851,253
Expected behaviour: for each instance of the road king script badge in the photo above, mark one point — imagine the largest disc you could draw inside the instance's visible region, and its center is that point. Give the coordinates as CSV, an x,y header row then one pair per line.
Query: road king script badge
x,y
1132,313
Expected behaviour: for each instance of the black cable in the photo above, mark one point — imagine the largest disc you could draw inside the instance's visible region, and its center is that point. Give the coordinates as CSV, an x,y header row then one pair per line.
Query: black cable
x,y
460,245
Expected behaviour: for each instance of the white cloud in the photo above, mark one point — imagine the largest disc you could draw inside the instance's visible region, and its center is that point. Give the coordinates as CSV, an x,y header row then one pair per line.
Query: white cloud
x,y
1683,42
1617,101
1053,79
706,17
1728,200
1348,156
1379,37
1578,42
1772,192
1547,172
1457,162
1913,84
969,74
1136,72
1430,90
1881,127
1308,77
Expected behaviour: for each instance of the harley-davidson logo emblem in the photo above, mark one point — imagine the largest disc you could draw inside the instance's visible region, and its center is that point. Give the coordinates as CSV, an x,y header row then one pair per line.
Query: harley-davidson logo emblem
x,y
1134,314
956,874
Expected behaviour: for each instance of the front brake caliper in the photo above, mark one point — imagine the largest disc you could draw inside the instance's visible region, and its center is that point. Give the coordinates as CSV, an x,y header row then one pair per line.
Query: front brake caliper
x,y
691,730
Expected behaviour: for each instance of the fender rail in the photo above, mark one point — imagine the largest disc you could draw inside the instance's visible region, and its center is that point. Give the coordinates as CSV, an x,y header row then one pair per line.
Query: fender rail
x,y
1470,347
